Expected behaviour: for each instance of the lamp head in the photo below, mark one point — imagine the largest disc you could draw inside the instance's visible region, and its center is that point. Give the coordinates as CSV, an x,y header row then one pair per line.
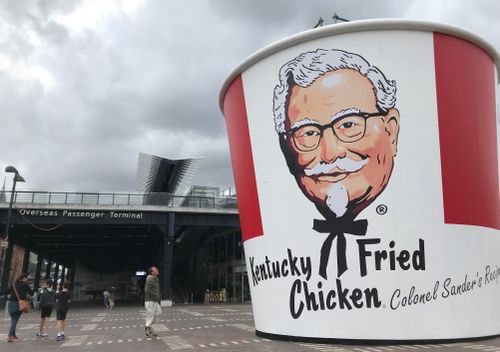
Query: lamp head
x,y
11,169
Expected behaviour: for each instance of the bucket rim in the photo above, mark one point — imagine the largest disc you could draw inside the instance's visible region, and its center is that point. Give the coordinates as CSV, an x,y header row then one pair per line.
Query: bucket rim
x,y
358,26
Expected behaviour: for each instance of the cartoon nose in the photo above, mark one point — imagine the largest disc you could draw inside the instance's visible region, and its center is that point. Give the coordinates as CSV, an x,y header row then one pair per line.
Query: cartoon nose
x,y
331,147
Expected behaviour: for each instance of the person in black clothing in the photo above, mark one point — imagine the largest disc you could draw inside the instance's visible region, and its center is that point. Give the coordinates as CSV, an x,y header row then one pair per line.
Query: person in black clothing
x,y
47,300
23,291
63,299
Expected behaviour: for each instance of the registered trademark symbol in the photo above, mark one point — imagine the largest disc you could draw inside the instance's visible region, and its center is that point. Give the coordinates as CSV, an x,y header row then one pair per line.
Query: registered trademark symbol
x,y
381,209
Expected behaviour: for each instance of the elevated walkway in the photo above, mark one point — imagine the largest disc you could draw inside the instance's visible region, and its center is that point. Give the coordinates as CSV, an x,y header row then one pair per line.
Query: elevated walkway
x,y
95,234
134,201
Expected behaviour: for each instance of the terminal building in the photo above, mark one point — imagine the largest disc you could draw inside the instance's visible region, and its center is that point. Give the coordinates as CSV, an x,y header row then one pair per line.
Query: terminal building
x,y
101,240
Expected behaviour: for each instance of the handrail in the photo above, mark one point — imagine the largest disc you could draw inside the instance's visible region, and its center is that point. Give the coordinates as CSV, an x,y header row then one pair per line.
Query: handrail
x,y
93,198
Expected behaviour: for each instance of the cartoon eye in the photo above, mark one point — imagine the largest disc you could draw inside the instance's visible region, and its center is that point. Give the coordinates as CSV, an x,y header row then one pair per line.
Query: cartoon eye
x,y
311,133
347,124
307,132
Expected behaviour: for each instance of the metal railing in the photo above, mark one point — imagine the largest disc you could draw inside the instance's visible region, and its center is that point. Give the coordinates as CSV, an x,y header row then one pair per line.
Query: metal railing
x,y
156,199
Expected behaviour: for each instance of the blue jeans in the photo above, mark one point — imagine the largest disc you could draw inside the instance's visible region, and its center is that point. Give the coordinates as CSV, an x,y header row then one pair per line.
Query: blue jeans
x,y
14,318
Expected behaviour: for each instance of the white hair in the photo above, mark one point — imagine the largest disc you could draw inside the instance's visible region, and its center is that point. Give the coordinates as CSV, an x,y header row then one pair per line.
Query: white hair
x,y
309,66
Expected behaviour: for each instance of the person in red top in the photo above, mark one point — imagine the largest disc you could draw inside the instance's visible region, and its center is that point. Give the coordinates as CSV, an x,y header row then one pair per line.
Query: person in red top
x,y
23,290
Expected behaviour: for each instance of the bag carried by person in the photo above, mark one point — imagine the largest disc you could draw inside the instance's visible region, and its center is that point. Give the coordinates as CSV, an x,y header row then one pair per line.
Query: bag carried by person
x,y
24,306
23,303
47,299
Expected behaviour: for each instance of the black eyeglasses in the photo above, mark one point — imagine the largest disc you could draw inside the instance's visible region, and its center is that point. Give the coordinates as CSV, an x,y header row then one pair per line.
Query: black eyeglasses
x,y
348,129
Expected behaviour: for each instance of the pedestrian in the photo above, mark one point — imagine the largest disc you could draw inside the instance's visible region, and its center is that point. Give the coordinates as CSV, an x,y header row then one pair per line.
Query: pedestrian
x,y
112,297
151,301
106,298
19,290
34,300
63,299
47,300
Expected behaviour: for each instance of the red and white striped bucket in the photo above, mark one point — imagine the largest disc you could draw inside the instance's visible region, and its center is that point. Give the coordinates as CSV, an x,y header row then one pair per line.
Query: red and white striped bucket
x,y
365,159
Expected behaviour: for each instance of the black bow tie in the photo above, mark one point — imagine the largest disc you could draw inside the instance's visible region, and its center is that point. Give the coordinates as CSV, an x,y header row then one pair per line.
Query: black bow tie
x,y
337,227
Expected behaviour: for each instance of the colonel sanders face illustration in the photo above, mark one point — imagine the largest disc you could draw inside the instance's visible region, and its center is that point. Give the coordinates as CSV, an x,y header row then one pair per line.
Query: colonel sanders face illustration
x,y
338,128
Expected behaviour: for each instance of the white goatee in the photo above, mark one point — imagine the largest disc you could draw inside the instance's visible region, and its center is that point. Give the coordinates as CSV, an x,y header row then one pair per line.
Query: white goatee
x,y
337,199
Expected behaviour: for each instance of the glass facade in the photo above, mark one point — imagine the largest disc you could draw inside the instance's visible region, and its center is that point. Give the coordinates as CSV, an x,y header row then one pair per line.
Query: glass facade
x,y
225,261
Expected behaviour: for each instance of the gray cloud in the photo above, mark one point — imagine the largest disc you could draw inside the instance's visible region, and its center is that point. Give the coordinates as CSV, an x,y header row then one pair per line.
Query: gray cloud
x,y
78,106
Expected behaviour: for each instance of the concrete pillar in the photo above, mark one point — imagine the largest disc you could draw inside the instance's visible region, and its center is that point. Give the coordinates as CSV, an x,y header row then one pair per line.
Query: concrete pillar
x,y
71,274
26,260
7,266
47,270
56,276
39,262
63,274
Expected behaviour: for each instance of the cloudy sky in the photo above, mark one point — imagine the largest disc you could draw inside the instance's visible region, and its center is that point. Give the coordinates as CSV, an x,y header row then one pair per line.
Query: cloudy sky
x,y
87,85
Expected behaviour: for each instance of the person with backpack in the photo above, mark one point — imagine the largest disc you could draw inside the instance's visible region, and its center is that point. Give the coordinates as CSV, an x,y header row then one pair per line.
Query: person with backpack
x,y
46,303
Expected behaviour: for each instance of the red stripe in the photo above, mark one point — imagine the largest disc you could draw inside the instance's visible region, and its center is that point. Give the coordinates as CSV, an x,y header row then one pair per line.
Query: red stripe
x,y
465,88
242,161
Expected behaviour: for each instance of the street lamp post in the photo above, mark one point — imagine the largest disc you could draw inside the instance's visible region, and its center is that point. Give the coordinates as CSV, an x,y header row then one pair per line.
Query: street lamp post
x,y
8,253
17,178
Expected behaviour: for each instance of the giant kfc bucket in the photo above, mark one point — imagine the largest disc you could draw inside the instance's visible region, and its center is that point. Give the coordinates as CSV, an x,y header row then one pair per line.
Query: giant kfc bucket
x,y
365,161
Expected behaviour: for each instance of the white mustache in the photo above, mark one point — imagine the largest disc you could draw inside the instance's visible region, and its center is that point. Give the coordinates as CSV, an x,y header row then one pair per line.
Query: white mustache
x,y
342,164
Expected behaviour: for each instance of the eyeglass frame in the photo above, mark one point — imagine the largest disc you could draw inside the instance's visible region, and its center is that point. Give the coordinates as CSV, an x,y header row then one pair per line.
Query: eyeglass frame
x,y
322,128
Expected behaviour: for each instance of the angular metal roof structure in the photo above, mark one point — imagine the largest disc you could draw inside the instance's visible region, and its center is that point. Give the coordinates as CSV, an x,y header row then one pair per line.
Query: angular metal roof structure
x,y
157,174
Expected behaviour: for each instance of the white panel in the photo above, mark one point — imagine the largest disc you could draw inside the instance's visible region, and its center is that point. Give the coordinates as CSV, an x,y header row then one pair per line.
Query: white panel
x,y
413,199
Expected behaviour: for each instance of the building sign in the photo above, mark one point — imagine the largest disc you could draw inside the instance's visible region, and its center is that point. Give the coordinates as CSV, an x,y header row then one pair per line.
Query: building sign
x,y
366,168
81,214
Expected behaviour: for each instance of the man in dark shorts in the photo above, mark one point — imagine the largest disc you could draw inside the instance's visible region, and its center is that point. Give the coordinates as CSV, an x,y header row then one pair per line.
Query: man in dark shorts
x,y
46,305
63,299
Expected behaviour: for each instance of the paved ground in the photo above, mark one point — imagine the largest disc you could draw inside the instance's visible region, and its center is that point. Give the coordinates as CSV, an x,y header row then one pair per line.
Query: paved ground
x,y
224,328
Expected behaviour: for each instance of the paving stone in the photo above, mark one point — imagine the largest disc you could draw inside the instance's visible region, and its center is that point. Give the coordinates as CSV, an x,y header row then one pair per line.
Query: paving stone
x,y
193,327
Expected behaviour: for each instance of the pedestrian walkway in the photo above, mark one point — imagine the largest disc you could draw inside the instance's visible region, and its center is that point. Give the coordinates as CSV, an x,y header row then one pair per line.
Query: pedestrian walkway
x,y
207,328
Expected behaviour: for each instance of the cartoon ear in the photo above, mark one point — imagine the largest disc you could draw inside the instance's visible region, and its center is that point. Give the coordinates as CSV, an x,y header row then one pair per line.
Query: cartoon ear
x,y
392,129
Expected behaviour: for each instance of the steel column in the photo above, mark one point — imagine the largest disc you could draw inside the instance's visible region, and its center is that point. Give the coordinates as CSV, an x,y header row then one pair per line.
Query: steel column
x,y
168,251
39,262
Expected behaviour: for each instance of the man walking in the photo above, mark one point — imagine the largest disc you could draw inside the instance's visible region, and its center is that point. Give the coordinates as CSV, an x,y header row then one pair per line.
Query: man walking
x,y
151,301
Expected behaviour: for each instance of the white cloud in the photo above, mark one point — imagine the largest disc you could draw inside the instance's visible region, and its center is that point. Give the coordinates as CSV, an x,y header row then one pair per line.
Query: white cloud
x,y
94,14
